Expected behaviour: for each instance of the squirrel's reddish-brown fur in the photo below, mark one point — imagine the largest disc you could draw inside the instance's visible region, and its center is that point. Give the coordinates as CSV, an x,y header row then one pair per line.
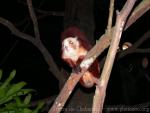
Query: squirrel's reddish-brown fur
x,y
84,46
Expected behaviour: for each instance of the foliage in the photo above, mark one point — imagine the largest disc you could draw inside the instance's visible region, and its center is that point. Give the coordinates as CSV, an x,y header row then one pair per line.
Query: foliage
x,y
11,97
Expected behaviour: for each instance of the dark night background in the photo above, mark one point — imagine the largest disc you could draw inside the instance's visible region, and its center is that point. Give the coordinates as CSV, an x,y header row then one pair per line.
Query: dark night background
x,y
129,82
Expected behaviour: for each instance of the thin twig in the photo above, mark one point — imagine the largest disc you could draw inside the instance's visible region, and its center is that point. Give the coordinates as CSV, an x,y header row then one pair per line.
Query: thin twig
x,y
111,11
45,12
16,32
34,19
147,50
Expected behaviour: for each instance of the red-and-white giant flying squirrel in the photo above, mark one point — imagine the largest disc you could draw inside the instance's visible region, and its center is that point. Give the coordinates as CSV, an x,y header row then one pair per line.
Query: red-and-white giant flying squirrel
x,y
75,46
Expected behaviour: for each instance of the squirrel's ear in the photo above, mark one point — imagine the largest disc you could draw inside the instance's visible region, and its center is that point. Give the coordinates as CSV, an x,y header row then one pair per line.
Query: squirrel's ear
x,y
76,37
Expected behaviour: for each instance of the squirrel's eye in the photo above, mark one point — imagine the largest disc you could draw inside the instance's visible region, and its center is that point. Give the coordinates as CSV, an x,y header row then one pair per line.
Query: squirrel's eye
x,y
70,42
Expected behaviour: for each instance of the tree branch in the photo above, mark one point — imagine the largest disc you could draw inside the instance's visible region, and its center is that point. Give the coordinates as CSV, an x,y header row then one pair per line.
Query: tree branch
x,y
16,32
134,47
65,92
52,66
140,10
120,21
147,50
47,57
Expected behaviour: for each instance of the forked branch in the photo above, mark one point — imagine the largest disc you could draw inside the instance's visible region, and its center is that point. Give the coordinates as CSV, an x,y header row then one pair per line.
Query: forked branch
x,y
35,41
117,32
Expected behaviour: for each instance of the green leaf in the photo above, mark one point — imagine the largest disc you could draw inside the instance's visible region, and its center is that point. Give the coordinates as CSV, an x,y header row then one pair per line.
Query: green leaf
x,y
40,105
10,101
19,93
13,92
26,110
23,92
15,88
10,106
7,81
5,99
18,101
27,99
2,93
